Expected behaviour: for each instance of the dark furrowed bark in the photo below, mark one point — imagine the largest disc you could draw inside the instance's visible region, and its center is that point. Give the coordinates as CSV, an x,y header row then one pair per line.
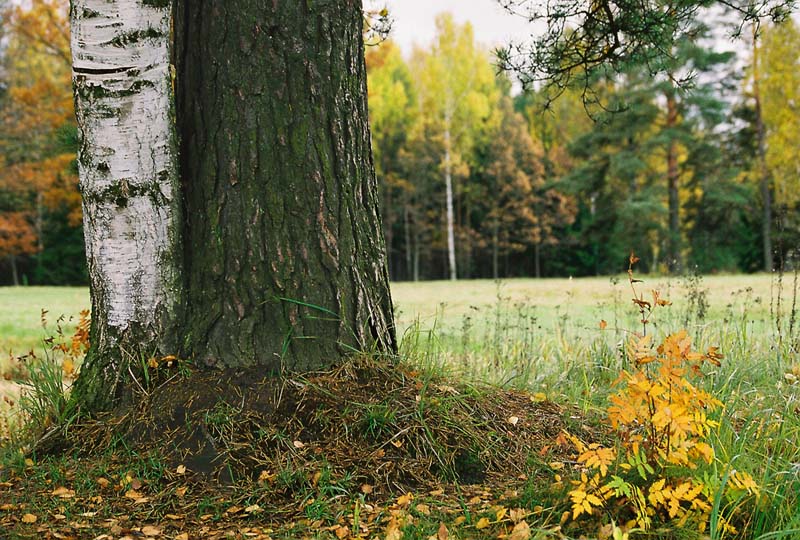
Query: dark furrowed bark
x,y
284,254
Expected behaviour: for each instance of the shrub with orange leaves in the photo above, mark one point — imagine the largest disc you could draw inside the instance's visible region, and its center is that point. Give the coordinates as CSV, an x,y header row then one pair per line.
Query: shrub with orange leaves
x,y
662,424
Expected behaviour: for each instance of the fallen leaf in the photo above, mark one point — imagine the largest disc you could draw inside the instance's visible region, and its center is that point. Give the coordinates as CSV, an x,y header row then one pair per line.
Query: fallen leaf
x,y
29,518
341,532
603,324
149,530
482,523
459,520
252,509
181,491
102,482
405,500
423,509
366,489
436,492
133,494
397,443
181,469
513,420
298,444
443,533
521,531
182,536
63,492
517,514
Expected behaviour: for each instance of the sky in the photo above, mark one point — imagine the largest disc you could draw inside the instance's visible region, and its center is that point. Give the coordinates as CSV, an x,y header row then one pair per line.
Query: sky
x,y
414,21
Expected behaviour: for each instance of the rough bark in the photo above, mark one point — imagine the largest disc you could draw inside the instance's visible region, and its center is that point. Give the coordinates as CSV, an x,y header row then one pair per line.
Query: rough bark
x,y
128,181
284,254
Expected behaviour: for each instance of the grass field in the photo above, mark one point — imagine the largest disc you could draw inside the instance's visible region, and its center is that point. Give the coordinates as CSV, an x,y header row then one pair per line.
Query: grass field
x,y
566,340
451,306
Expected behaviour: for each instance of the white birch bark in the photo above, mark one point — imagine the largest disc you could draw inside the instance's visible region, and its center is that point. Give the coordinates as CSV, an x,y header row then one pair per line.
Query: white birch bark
x,y
448,180
128,166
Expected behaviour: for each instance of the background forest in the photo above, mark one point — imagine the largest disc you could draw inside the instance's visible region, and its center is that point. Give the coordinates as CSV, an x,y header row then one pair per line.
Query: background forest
x,y
693,171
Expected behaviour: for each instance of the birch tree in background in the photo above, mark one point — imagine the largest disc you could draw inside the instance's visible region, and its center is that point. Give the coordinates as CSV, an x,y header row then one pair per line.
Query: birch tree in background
x,y
455,82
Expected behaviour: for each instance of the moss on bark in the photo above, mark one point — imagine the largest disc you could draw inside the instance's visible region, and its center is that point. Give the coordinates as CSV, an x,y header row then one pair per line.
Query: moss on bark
x,y
285,261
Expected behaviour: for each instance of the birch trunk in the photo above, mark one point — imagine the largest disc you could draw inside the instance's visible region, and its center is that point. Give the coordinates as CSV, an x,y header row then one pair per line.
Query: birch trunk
x,y
448,180
128,181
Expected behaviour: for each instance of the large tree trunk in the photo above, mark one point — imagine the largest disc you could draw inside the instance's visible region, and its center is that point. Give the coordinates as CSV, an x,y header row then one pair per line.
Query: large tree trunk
x,y
674,262
128,180
284,257
267,249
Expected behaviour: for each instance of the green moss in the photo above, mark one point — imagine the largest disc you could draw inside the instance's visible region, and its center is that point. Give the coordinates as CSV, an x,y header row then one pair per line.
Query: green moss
x,y
133,37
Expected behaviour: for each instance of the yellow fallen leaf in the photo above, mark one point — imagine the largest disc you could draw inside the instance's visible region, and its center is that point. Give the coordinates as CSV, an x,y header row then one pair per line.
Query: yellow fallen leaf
x,y
181,491
182,536
181,469
28,462
459,520
298,444
513,420
29,518
252,509
539,396
341,532
482,523
423,509
63,492
521,531
133,494
366,489
149,530
397,443
405,500
102,482
436,492
393,531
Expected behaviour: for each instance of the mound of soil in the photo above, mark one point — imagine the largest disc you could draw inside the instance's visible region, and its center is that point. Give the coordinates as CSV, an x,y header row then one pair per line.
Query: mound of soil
x,y
367,421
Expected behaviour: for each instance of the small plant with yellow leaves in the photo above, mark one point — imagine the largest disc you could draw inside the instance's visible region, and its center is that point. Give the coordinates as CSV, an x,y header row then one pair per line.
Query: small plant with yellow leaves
x,y
662,425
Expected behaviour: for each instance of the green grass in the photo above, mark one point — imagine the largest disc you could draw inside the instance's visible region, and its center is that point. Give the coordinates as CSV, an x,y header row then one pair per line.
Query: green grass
x,y
21,314
544,336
